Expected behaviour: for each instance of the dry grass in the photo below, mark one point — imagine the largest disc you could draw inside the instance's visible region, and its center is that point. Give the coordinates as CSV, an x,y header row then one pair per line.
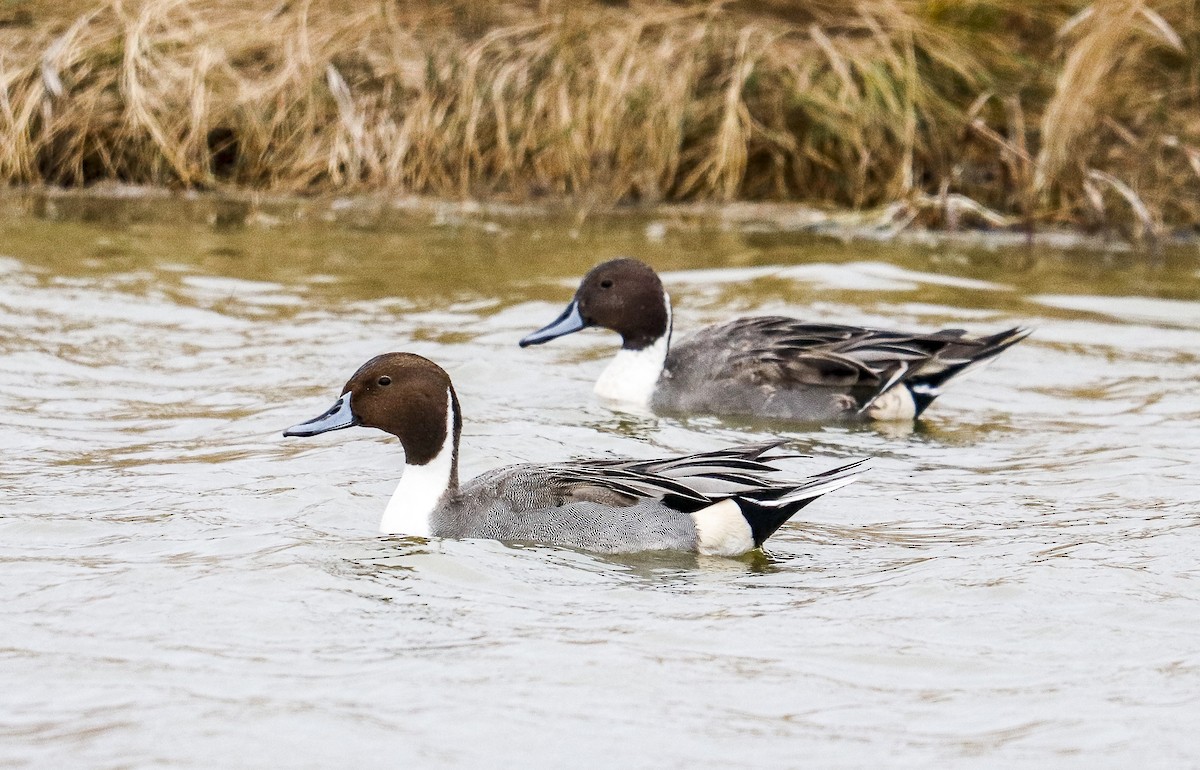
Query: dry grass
x,y
1057,111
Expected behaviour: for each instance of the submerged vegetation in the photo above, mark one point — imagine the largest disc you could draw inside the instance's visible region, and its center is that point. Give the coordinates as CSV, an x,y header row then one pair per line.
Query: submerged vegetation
x,y
995,112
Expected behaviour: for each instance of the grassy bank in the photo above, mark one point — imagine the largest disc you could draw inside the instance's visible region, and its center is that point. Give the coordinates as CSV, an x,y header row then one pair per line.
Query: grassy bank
x,y
995,111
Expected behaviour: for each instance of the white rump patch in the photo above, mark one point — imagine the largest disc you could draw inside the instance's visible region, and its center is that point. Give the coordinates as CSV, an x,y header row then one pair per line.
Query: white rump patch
x,y
893,405
410,510
632,375
722,530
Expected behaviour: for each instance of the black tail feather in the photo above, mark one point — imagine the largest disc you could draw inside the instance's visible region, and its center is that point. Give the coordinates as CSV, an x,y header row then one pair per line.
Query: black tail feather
x,y
767,510
764,520
926,384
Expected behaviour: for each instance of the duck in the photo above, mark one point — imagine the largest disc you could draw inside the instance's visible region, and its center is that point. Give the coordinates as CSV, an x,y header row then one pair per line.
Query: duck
x,y
774,367
725,502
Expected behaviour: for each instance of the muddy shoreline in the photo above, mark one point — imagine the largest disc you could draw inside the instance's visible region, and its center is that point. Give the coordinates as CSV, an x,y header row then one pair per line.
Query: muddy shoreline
x,y
899,222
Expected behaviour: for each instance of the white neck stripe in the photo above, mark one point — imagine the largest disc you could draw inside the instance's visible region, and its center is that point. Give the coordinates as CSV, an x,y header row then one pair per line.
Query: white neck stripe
x,y
421,488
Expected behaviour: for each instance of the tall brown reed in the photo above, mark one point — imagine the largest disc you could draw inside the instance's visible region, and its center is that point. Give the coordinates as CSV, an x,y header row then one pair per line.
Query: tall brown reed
x,y
1057,111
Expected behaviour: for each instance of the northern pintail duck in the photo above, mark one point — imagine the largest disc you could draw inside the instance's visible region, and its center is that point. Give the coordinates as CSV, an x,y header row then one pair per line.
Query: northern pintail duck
x,y
717,503
767,366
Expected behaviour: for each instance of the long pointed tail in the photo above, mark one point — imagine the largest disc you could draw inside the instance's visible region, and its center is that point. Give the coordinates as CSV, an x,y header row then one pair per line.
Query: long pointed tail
x,y
955,359
766,511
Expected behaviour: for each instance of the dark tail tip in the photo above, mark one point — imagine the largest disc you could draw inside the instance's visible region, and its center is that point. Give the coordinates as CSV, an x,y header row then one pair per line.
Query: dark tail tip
x,y
922,396
765,520
765,516
926,387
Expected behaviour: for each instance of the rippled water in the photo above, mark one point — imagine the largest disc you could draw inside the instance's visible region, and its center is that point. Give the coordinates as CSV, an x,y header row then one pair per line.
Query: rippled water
x,y
1015,583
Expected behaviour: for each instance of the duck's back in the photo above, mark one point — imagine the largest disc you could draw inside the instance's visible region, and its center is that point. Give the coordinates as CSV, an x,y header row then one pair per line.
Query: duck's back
x,y
546,504
769,366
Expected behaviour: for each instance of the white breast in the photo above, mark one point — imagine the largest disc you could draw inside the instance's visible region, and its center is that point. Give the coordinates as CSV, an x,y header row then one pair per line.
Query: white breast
x,y
632,375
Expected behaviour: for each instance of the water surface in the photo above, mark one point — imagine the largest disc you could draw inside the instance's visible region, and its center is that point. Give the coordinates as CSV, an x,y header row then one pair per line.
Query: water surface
x,y
1014,584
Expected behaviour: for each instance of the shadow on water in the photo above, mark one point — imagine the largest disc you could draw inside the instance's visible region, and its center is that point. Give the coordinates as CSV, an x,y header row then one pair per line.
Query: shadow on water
x,y
406,558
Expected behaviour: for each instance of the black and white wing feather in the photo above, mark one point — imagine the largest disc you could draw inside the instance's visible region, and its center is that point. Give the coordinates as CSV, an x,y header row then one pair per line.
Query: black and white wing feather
x,y
692,482
782,352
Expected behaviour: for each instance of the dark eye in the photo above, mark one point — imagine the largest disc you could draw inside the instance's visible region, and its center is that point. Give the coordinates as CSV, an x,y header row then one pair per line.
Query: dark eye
x,y
606,283
385,380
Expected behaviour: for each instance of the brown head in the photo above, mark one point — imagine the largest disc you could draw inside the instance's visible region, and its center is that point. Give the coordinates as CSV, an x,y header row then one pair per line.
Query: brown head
x,y
402,394
624,295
